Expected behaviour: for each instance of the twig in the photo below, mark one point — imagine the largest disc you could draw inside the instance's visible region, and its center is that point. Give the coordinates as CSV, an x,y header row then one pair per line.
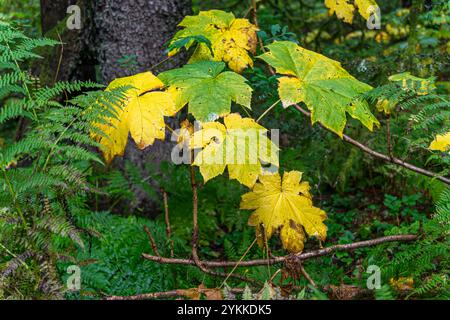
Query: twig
x,y
255,13
254,10
195,234
152,241
166,216
153,295
60,58
187,293
298,257
366,149
388,137
306,275
237,264
382,156
159,63
195,221
267,111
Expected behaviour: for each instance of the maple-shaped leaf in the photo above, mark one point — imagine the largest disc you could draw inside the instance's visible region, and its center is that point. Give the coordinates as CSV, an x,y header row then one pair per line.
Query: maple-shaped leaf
x,y
239,144
441,143
285,205
344,9
230,39
208,91
327,89
141,114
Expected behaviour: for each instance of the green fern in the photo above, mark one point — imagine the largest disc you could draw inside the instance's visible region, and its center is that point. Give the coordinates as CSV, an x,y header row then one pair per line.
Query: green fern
x,y
44,174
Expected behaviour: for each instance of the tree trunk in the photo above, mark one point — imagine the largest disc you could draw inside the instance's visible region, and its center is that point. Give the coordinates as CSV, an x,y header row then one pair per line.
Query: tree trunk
x,y
113,31
75,59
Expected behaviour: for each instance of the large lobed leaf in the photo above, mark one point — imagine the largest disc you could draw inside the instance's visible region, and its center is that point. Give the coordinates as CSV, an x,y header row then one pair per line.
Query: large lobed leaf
x,y
208,91
228,39
239,144
327,89
141,114
285,205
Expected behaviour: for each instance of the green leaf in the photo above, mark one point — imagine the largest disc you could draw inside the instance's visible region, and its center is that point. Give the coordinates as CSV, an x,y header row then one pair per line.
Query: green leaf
x,y
188,41
327,89
208,91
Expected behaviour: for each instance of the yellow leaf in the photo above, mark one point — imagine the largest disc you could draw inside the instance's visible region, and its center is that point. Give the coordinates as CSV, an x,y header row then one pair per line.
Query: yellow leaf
x,y
382,37
386,106
285,204
342,8
234,44
240,144
185,133
345,10
402,283
231,39
141,114
441,143
366,7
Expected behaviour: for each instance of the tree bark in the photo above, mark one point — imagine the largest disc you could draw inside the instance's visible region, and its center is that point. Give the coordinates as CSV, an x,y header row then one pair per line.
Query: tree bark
x,y
113,30
75,58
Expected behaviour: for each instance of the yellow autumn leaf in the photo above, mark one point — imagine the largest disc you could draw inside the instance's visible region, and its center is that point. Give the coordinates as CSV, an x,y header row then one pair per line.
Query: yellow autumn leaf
x,y
366,7
141,114
231,39
441,143
185,133
344,9
386,106
402,283
285,205
239,144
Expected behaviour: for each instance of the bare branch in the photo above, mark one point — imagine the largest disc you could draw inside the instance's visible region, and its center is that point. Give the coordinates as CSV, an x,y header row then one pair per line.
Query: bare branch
x,y
186,293
307,276
382,156
298,257
152,241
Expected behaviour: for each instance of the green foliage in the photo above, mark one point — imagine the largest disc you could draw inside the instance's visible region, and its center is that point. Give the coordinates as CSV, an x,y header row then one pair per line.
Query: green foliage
x,y
113,264
425,261
53,184
44,169
208,91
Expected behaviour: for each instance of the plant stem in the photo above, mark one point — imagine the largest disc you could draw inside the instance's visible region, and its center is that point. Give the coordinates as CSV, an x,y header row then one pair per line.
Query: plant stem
x,y
267,111
14,195
167,220
195,221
